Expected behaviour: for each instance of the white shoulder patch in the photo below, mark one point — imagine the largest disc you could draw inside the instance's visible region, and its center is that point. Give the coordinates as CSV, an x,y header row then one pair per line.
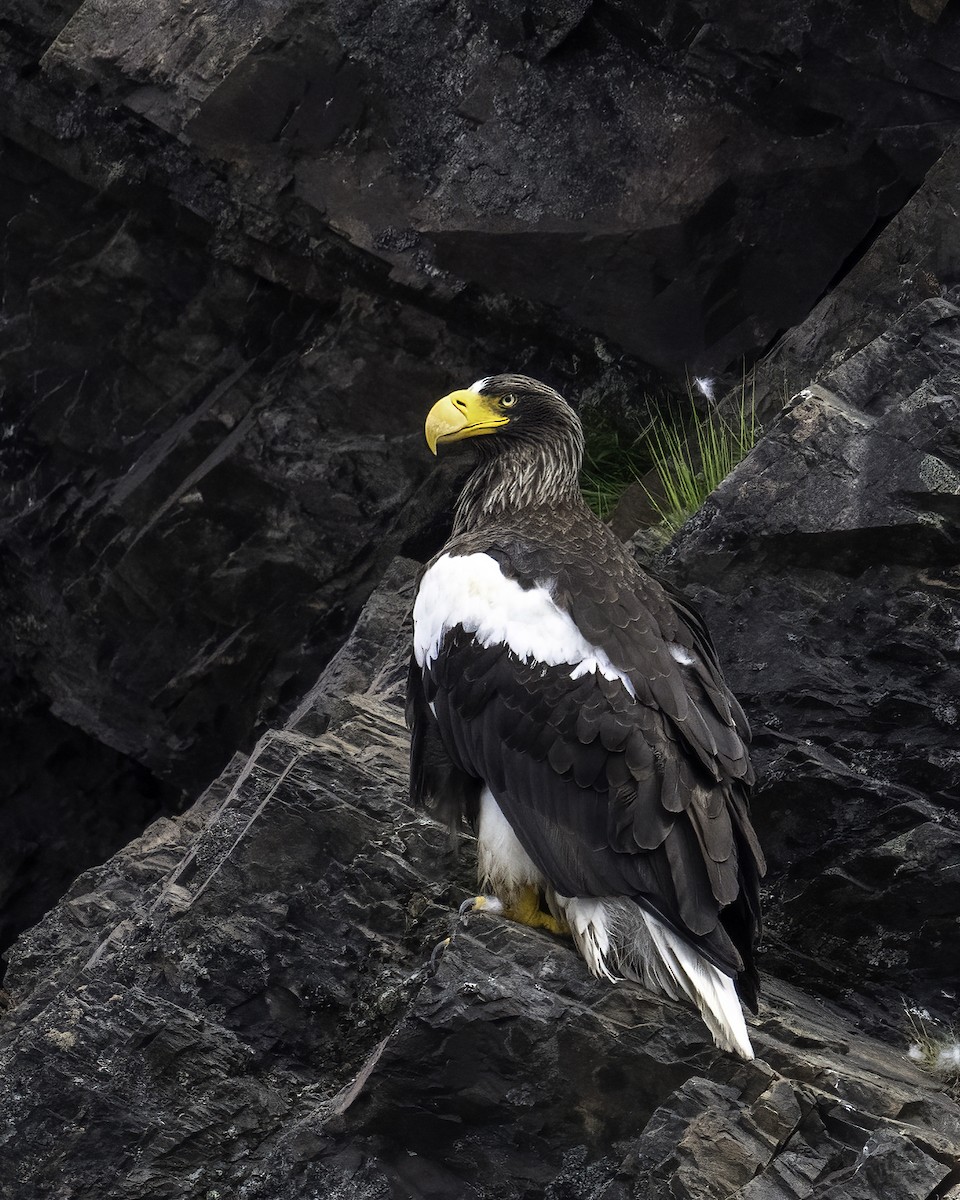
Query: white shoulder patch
x,y
470,590
681,654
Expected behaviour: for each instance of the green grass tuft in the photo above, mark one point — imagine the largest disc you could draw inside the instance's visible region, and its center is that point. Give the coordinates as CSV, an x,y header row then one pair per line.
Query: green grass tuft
x,y
690,453
692,456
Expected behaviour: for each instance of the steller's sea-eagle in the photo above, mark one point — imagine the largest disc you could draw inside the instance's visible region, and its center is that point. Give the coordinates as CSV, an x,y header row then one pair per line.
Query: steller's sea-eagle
x,y
572,708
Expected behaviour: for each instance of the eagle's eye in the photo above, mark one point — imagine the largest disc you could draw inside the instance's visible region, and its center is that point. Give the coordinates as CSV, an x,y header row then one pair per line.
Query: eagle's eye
x,y
507,401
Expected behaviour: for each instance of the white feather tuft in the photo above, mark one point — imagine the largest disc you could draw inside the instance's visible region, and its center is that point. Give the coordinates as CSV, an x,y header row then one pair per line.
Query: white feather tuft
x,y
619,939
711,990
949,1057
588,923
503,866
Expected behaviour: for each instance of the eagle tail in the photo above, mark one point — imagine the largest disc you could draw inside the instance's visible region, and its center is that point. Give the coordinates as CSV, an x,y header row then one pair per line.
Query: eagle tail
x,y
618,939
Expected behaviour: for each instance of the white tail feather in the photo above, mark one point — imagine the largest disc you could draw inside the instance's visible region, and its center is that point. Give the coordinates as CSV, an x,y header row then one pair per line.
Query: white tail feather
x,y
590,928
711,990
618,939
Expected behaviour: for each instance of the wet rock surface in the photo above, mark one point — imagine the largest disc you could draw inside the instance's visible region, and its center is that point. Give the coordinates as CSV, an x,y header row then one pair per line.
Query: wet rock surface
x,y
242,1003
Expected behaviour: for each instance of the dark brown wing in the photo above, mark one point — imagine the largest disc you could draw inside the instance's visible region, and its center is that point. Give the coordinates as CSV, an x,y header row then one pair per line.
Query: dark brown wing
x,y
436,781
630,616
597,792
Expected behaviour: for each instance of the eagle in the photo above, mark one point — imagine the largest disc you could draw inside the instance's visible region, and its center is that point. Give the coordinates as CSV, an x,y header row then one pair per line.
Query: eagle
x,y
572,709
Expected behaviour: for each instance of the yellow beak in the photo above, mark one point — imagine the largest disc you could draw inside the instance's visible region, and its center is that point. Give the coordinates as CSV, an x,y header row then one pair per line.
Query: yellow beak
x,y
461,415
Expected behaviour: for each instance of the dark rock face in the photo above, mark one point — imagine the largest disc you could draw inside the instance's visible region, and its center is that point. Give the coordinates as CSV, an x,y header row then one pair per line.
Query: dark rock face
x,y
188,449
203,485
68,801
827,568
718,168
573,155
917,258
241,1003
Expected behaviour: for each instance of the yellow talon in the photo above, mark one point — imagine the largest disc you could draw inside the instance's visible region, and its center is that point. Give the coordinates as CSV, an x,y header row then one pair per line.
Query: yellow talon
x,y
475,904
526,910
438,950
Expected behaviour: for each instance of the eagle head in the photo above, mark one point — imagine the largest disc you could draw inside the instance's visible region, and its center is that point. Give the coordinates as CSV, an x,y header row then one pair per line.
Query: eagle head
x,y
515,408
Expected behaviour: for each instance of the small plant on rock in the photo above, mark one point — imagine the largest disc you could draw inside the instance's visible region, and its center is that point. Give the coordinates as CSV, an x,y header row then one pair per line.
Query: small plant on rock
x,y
689,451
691,457
934,1047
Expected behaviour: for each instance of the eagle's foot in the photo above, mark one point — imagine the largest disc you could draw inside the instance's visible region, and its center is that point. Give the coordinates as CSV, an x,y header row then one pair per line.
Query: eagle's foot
x,y
524,908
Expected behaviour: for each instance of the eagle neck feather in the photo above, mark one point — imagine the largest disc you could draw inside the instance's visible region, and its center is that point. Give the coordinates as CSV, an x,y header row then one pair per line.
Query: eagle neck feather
x,y
524,476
